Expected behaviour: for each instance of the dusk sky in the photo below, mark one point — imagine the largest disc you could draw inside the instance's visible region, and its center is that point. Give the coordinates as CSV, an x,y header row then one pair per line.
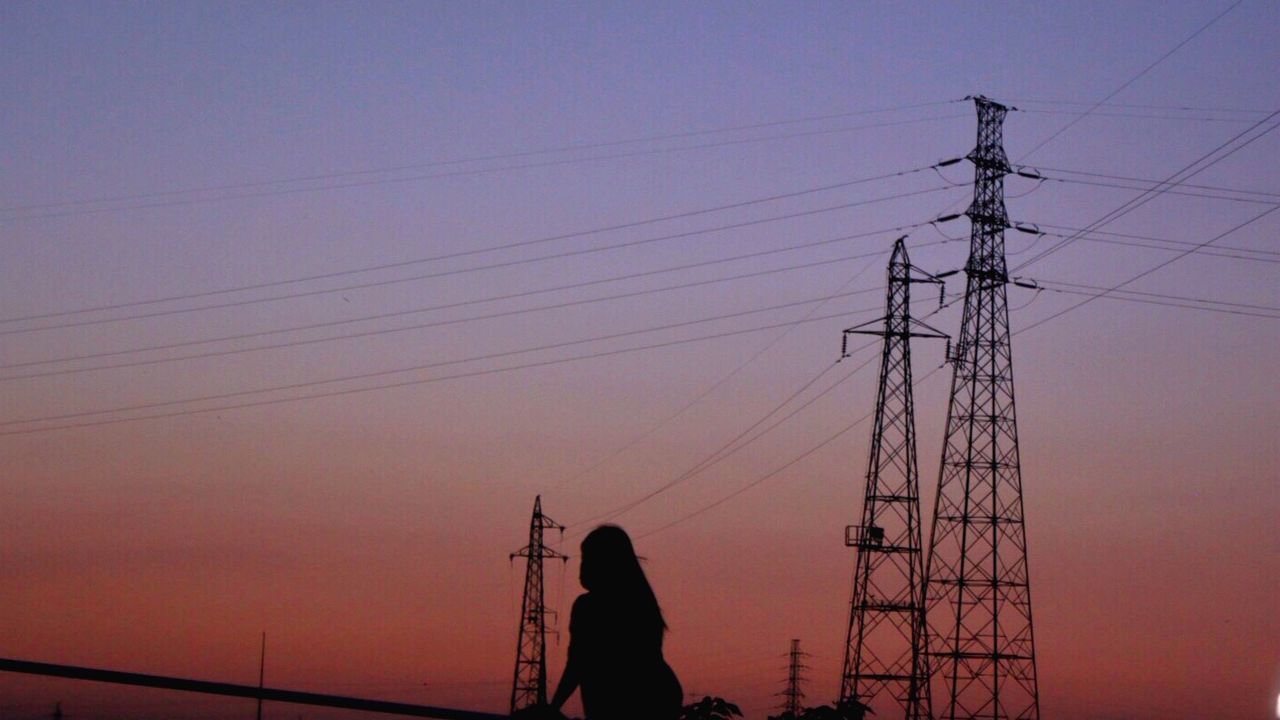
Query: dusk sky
x,y
302,304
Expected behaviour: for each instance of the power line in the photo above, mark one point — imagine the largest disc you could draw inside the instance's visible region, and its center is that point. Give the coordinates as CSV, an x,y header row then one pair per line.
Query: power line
x,y
472,159
1126,243
480,171
831,438
440,323
478,268
404,383
491,266
1236,248
772,473
493,298
1134,78
1039,170
822,444
733,372
468,253
1138,116
1107,292
1145,299
491,371
1110,296
1184,193
845,429
1188,171
733,446
444,363
1041,283
728,448
718,384
1186,108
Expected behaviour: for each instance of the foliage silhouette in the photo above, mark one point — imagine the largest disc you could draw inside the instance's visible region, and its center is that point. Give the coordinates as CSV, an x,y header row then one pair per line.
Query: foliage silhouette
x,y
847,710
709,708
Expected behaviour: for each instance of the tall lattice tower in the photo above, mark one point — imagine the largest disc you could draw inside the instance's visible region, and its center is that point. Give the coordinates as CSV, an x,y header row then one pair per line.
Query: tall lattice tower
x,y
792,696
982,654
530,685
884,667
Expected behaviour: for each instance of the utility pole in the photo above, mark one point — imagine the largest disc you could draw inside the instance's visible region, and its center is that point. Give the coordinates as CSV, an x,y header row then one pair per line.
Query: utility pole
x,y
792,696
262,671
884,666
530,685
982,653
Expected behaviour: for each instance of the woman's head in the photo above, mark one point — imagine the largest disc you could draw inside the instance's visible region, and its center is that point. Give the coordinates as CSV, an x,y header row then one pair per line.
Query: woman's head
x,y
609,565
608,560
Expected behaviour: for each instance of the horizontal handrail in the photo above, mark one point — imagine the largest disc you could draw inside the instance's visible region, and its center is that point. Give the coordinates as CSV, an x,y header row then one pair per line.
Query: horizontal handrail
x,y
246,691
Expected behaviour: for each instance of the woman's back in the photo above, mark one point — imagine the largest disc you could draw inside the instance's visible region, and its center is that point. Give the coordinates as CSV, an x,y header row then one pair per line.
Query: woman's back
x,y
623,673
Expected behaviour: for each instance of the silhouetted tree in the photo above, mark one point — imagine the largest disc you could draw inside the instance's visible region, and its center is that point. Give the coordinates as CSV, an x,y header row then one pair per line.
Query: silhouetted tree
x,y
709,708
853,710
847,710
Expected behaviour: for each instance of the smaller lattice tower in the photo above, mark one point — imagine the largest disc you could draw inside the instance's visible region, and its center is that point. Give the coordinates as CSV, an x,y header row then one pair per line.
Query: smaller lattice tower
x,y
885,668
792,696
530,686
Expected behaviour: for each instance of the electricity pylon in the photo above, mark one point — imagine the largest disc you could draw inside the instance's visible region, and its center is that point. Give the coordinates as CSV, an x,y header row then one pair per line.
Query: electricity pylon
x,y
792,696
982,654
884,666
530,685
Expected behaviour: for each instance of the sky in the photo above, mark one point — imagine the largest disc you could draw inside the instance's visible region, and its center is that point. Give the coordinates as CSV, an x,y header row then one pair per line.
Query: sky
x,y
464,254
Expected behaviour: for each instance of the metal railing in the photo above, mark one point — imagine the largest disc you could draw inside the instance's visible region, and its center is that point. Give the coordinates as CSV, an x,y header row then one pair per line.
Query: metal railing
x,y
245,691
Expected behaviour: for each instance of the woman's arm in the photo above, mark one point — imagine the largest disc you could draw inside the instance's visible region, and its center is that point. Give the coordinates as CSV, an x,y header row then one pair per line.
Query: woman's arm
x,y
568,682
572,676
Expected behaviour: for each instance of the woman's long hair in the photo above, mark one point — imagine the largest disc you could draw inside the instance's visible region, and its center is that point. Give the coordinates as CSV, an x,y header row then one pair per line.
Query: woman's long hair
x,y
610,567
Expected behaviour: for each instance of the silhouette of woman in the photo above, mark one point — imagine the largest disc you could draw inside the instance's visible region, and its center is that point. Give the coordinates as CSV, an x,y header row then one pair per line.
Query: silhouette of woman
x,y
615,637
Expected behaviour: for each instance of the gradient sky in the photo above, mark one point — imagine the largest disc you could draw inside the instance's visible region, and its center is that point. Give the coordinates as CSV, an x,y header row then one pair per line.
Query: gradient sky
x,y
161,149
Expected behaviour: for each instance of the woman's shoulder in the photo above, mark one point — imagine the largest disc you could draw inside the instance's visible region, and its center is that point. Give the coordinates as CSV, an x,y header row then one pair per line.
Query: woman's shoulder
x,y
584,612
584,605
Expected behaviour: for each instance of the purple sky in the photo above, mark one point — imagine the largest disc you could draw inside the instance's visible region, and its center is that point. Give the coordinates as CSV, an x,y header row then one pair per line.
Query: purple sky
x,y
172,149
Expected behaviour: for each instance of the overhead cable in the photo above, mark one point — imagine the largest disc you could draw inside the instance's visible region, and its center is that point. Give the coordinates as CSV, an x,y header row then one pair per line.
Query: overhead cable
x,y
481,300
462,253
469,172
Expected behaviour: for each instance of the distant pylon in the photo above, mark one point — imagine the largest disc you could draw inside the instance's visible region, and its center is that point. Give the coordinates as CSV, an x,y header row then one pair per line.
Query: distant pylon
x,y
530,685
884,667
792,696
982,654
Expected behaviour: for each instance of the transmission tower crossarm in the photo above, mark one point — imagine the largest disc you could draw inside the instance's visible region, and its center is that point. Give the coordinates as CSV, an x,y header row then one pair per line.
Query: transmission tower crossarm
x,y
902,273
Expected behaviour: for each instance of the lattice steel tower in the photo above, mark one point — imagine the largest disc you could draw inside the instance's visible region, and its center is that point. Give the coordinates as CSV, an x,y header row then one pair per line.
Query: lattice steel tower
x,y
979,600
883,664
530,685
792,696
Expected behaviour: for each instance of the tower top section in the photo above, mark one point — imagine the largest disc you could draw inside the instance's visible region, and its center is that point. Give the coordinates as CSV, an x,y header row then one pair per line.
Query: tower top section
x,y
988,155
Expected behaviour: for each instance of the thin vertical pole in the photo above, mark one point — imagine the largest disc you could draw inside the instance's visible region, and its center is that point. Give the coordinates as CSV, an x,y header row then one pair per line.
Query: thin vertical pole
x,y
262,670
